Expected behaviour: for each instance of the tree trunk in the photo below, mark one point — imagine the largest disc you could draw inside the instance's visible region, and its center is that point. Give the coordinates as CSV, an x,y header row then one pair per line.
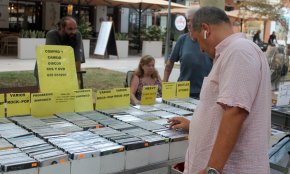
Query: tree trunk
x,y
215,3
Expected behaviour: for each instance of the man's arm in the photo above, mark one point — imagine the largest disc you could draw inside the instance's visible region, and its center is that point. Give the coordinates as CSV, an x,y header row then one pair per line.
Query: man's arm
x,y
228,134
167,71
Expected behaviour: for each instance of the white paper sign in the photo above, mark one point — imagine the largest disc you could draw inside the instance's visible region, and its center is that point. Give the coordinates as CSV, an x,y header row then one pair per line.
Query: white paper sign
x,y
284,94
103,38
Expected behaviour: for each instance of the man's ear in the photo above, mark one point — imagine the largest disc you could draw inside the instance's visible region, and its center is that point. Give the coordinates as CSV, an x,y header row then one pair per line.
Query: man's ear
x,y
206,29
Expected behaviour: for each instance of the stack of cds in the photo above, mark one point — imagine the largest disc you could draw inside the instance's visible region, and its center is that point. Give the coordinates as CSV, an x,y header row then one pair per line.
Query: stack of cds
x,y
281,116
44,153
174,110
85,144
150,126
149,137
128,141
79,120
181,103
174,135
15,159
45,127
10,130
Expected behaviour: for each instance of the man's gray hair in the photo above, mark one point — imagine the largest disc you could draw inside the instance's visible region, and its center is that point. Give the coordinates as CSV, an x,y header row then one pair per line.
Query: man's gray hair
x,y
190,12
209,15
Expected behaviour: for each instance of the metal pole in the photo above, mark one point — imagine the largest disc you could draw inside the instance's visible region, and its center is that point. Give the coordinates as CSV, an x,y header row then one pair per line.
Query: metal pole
x,y
79,11
139,28
168,32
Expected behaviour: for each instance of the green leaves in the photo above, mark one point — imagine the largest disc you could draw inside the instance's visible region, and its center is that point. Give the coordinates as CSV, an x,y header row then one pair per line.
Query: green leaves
x,y
153,33
31,34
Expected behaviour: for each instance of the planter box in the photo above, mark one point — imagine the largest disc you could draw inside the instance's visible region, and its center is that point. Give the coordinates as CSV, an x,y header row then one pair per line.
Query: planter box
x,y
122,48
86,43
152,48
27,47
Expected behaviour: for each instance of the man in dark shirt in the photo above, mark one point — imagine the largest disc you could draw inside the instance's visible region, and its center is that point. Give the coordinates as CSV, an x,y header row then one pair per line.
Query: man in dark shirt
x,y
67,34
272,39
194,64
257,38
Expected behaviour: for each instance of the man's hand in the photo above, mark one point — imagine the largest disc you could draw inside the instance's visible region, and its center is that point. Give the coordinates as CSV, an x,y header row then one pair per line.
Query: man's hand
x,y
179,122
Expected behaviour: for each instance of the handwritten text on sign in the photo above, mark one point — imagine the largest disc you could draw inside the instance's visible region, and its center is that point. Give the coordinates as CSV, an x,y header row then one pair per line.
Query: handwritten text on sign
x,y
84,100
56,64
104,99
183,89
168,90
284,94
149,95
65,102
42,104
18,104
2,106
121,97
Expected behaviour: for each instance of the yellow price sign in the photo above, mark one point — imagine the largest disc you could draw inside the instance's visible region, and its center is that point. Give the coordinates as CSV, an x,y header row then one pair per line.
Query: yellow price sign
x,y
183,89
2,106
18,104
168,90
149,94
42,104
105,99
84,100
121,97
64,102
56,64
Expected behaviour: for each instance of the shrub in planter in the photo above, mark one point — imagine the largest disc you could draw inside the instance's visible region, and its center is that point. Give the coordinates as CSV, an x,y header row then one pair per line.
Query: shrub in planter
x,y
122,44
152,41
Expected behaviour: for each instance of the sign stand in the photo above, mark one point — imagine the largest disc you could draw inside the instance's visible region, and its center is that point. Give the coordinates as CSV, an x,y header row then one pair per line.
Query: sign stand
x,y
106,43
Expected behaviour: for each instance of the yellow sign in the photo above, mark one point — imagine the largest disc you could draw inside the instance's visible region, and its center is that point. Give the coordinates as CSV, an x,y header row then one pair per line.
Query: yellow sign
x,y
84,100
105,99
2,106
64,102
42,104
183,89
56,68
18,104
168,90
149,94
121,97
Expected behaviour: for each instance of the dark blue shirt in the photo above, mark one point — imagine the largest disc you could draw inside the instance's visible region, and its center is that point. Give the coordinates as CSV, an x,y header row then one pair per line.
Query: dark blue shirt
x,y
194,65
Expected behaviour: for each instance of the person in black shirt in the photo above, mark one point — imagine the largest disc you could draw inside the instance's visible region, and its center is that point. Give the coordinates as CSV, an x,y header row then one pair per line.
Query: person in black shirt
x,y
257,38
272,39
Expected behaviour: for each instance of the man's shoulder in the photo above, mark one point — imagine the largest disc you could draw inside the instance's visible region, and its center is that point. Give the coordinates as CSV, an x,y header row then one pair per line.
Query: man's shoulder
x,y
52,33
183,36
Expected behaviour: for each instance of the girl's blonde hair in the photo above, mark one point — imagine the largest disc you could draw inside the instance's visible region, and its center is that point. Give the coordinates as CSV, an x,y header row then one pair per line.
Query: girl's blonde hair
x,y
145,60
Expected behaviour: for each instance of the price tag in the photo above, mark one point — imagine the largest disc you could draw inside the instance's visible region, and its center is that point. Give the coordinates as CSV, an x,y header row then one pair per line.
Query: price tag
x,y
18,104
149,94
42,104
2,106
56,68
183,89
122,97
84,100
168,90
284,94
65,102
105,99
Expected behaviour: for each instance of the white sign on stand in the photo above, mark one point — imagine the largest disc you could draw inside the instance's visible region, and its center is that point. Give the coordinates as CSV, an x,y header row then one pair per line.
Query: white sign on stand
x,y
103,38
284,94
106,42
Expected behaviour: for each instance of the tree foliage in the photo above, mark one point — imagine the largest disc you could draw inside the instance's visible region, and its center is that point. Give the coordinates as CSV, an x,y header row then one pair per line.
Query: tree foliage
x,y
273,12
